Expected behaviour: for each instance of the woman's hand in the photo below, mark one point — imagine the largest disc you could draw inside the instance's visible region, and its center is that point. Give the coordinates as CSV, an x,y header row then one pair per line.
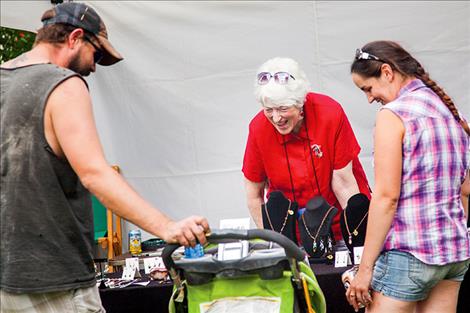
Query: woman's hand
x,y
358,291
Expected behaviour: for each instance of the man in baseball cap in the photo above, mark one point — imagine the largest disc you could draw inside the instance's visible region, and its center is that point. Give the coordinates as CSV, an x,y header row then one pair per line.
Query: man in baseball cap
x,y
82,16
51,160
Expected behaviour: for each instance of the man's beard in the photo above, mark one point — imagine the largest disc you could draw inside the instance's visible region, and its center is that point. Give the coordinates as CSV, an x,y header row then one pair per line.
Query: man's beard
x,y
77,66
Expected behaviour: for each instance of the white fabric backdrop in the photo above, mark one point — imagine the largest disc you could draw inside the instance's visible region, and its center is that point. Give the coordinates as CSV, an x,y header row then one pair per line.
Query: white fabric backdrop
x,y
174,114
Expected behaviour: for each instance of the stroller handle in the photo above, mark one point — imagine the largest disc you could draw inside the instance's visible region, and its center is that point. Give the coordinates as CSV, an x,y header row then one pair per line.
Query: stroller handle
x,y
222,235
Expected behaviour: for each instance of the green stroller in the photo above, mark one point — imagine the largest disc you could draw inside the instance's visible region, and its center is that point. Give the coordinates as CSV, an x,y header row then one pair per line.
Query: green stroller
x,y
273,277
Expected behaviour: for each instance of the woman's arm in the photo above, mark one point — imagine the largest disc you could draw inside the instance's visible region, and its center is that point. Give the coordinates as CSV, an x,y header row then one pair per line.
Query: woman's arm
x,y
388,168
254,199
344,184
465,192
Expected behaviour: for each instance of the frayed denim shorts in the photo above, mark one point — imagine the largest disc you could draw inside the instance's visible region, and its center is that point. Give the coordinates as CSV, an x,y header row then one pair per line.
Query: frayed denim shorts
x,y
401,276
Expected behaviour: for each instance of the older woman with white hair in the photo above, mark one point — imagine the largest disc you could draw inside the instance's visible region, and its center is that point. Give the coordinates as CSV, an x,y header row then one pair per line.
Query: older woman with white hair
x,y
300,143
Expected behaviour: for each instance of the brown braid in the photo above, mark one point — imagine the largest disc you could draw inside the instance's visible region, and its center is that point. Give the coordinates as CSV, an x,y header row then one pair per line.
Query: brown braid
x,y
400,60
424,76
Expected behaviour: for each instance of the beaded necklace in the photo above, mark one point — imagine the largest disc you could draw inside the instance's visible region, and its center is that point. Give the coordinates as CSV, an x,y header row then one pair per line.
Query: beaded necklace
x,y
314,238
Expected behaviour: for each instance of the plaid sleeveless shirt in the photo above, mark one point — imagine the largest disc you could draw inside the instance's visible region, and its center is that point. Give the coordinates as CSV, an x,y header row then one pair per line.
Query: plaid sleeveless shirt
x,y
430,221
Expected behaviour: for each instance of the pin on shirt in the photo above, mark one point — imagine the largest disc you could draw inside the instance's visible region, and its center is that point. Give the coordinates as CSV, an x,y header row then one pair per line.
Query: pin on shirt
x,y
317,150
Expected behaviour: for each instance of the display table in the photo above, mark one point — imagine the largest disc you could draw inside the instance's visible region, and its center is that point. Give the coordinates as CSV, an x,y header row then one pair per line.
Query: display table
x,y
155,296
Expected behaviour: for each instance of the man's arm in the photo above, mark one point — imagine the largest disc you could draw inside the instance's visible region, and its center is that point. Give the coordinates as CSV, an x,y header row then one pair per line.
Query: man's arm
x,y
71,132
254,199
344,184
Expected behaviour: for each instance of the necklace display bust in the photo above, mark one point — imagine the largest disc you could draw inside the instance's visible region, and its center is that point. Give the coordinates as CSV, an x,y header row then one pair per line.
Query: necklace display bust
x,y
279,215
315,227
353,221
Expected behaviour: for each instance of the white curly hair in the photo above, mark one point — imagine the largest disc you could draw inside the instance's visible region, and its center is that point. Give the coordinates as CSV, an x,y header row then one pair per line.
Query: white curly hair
x,y
273,94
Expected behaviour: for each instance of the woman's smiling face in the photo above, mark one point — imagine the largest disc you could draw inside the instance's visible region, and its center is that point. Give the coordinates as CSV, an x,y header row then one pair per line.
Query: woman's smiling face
x,y
382,89
285,119
374,88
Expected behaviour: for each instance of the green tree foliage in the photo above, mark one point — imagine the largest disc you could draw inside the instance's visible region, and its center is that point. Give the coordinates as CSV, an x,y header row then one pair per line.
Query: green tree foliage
x,y
14,42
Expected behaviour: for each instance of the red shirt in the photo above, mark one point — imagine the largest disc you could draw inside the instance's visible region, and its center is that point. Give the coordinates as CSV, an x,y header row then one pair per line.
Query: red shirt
x,y
329,129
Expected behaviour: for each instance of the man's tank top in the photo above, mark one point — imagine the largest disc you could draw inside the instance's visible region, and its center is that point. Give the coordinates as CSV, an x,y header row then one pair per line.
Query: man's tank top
x,y
46,215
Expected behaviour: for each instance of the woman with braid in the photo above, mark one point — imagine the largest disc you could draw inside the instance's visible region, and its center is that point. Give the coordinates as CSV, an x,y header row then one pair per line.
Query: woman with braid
x,y
417,248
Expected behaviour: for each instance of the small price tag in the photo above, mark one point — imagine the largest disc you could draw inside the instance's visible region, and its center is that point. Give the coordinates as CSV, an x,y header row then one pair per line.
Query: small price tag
x,y
342,258
160,263
128,273
358,254
133,263
151,263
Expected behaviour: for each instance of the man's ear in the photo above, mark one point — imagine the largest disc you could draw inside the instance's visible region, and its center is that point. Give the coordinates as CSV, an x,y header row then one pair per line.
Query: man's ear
x,y
74,37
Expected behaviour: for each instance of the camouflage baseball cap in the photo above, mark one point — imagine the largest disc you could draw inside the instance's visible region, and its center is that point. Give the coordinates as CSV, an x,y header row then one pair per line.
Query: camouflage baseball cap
x,y
83,16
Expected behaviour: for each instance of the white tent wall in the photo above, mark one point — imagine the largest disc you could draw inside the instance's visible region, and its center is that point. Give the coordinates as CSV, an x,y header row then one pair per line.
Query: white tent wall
x,y
174,114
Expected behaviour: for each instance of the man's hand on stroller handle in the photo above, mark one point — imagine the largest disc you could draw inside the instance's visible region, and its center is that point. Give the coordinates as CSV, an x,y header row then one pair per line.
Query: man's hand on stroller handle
x,y
187,232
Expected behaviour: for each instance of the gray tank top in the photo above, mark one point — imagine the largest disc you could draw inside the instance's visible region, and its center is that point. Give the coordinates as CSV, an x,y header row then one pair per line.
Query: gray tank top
x,y
46,215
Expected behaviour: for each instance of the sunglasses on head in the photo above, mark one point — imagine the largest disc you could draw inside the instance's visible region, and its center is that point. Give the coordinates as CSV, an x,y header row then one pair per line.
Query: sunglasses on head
x,y
361,55
98,54
281,78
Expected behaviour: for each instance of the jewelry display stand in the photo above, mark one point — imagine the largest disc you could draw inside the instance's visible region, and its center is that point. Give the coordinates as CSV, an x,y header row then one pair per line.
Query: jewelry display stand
x,y
315,229
279,215
353,221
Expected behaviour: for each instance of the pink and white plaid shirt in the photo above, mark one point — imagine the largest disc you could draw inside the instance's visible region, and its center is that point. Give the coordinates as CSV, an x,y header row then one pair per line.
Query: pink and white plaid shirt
x,y
430,221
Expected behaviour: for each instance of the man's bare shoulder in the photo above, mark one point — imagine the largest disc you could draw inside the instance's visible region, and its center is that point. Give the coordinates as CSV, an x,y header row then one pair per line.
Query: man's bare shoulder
x,y
73,89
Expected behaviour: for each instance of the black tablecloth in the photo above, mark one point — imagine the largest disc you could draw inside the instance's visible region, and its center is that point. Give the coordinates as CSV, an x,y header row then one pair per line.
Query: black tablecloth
x,y
155,297
136,299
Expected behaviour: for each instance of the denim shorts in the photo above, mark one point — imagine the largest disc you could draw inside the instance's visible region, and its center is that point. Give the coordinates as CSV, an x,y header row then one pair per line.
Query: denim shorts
x,y
401,276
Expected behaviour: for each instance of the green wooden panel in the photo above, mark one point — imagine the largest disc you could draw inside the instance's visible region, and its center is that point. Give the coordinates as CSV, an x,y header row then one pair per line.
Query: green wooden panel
x,y
99,218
